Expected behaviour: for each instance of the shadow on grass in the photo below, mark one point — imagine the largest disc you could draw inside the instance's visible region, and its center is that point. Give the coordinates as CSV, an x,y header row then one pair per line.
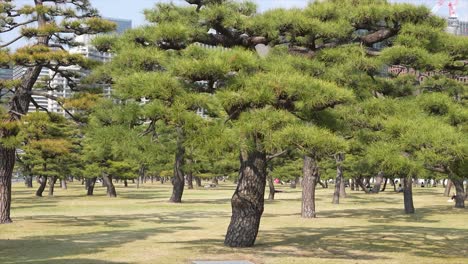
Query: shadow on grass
x,y
44,249
123,221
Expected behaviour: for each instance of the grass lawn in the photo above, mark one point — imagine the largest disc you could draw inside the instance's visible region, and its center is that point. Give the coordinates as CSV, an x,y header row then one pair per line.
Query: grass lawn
x,y
140,226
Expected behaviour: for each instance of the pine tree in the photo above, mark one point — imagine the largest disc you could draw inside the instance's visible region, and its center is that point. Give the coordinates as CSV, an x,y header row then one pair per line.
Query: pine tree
x,y
50,26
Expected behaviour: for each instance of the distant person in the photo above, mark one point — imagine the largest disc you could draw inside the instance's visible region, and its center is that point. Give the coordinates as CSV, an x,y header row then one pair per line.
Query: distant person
x,y
399,189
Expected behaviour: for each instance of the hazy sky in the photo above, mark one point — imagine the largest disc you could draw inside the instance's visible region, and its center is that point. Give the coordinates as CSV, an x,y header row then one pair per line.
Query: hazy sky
x,y
133,9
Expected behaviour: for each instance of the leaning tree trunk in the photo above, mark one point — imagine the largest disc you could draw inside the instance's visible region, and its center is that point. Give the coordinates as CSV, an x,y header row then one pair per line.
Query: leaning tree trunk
x,y
448,186
271,187
408,195
384,185
198,181
63,183
42,185
7,163
107,179
52,181
310,174
91,183
361,184
178,181
248,200
460,196
28,181
378,182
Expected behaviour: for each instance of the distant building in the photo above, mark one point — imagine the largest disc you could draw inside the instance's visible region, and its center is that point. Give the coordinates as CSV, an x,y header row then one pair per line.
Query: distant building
x,y
59,83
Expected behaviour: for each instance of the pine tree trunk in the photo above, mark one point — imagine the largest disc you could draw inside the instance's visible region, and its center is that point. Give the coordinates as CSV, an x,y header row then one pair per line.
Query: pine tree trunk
x,y
378,182
152,179
352,184
408,195
361,184
448,186
310,174
125,183
91,183
52,181
198,181
63,183
343,189
110,186
460,196
294,183
42,185
271,187
339,178
178,181
384,185
7,163
189,175
28,181
394,185
248,201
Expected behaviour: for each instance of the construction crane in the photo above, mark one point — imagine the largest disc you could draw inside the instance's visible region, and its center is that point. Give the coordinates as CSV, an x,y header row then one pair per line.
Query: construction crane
x,y
452,6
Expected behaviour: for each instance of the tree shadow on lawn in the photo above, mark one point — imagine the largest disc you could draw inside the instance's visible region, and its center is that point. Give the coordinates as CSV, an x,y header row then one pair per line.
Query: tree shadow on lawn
x,y
376,242
123,221
44,249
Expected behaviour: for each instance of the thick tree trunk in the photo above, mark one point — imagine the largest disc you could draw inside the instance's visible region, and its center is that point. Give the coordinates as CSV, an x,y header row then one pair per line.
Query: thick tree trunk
x,y
271,187
460,196
408,195
28,181
125,183
198,181
7,163
248,201
310,174
42,185
63,183
448,186
378,182
52,181
343,188
91,183
178,181
107,179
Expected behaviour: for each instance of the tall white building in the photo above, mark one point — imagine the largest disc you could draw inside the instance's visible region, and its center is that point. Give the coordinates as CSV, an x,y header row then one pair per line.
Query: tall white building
x,y
59,83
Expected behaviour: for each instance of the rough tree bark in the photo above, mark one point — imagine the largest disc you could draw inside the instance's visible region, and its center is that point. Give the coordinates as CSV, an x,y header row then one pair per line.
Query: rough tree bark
x,y
42,185
178,181
52,181
343,188
460,196
7,163
107,179
378,182
91,183
310,174
408,195
361,184
248,200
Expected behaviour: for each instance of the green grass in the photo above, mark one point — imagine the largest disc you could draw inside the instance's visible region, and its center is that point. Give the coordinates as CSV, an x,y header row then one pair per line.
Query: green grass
x,y
140,226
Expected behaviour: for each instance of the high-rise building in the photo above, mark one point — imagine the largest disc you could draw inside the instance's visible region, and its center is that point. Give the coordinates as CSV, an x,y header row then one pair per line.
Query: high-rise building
x,y
59,83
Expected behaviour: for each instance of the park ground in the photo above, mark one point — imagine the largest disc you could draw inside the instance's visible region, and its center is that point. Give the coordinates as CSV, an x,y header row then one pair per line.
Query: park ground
x,y
140,226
